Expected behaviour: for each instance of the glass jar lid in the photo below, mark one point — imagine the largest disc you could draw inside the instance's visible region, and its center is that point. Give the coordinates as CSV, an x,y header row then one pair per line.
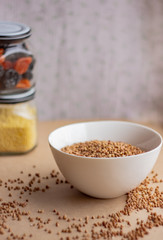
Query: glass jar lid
x,y
11,31
17,98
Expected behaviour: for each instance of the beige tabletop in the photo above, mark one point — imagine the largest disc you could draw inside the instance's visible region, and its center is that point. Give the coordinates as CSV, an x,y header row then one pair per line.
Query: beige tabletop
x,y
42,205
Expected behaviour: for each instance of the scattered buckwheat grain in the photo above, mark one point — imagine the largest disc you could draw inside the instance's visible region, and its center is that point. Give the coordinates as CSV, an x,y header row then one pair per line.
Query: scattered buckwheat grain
x,y
147,197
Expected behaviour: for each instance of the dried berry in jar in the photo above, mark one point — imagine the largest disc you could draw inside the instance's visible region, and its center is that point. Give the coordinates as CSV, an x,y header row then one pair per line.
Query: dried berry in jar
x,y
16,60
10,79
22,64
1,71
28,75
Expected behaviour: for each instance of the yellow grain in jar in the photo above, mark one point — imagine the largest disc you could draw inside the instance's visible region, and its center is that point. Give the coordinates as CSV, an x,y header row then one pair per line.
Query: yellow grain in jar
x,y
18,130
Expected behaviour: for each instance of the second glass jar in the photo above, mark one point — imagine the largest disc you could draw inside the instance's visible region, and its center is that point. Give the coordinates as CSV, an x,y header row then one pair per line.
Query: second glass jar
x,y
16,60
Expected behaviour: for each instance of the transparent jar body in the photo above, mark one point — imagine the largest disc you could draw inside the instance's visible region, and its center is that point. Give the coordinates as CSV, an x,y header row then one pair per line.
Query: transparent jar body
x,y
16,67
18,127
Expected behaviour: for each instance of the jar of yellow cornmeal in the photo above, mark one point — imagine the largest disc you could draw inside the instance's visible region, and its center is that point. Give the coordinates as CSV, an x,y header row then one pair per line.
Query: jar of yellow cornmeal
x,y
18,123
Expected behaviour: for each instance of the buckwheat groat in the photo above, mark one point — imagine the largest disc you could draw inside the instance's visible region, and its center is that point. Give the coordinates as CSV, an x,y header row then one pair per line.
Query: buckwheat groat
x,y
104,149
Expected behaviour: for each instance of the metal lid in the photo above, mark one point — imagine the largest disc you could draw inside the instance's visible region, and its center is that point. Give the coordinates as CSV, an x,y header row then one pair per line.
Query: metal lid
x,y
17,98
11,31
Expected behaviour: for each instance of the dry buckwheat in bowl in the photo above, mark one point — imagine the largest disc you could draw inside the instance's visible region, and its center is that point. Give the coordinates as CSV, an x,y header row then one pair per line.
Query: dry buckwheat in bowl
x,y
105,159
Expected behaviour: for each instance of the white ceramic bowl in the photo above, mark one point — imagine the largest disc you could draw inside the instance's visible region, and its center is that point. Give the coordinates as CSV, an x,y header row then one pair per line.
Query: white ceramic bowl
x,y
106,177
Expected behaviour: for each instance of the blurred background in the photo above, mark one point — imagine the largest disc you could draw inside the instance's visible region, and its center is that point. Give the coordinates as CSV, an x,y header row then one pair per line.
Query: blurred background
x,y
96,59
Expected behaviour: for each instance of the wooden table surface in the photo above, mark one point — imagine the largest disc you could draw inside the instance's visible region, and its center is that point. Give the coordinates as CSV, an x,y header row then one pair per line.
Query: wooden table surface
x,y
53,209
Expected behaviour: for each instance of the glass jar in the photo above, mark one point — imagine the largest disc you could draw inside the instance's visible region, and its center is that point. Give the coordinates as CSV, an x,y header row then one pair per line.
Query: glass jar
x,y
16,60
18,123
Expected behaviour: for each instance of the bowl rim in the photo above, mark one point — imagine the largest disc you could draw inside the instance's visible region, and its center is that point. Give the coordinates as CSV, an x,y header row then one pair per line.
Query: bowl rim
x,y
106,121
